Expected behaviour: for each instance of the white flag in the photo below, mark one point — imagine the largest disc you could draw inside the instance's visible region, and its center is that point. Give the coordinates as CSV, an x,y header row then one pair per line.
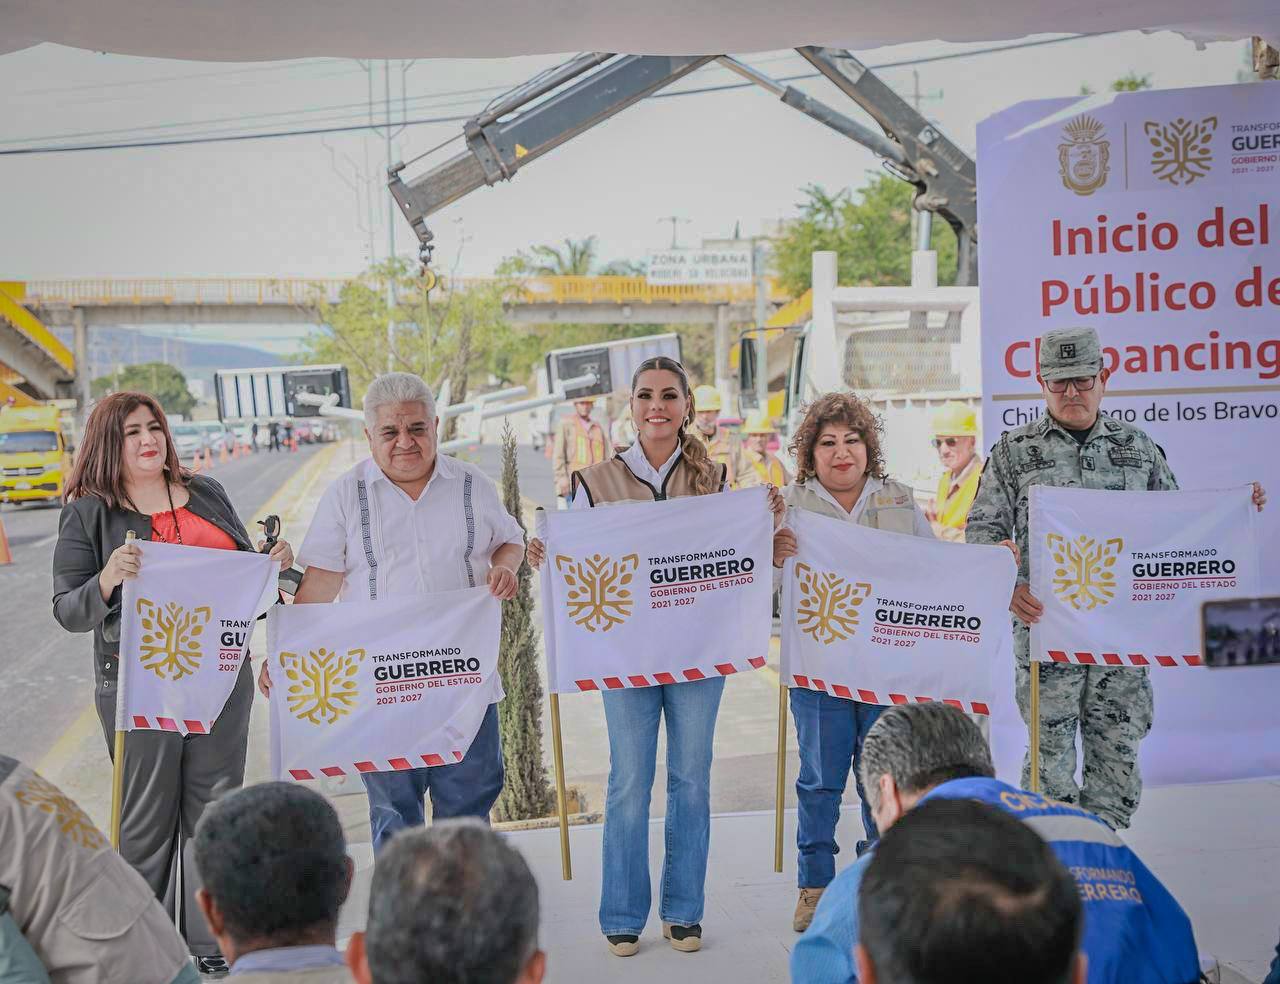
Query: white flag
x,y
887,618
654,593
374,686
1122,575
185,623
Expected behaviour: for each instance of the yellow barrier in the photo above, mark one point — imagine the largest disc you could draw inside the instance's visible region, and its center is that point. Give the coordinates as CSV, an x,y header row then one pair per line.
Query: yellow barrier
x,y
12,311
308,291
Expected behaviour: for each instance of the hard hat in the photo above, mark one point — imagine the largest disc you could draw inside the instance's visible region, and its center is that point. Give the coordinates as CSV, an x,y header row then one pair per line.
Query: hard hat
x,y
954,419
706,398
758,422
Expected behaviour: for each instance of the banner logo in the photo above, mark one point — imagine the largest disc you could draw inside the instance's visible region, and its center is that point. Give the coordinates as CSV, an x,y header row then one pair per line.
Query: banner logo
x,y
1084,577
598,597
170,646
828,606
1181,151
1084,157
322,684
73,822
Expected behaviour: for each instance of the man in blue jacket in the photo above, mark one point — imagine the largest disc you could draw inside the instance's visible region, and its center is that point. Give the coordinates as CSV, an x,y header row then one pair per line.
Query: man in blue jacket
x,y
1135,931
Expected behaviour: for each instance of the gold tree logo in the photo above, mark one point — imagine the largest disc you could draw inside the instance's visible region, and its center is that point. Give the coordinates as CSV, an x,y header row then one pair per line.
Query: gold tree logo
x,y
170,646
73,823
1083,574
828,606
322,684
1180,150
598,596
1084,157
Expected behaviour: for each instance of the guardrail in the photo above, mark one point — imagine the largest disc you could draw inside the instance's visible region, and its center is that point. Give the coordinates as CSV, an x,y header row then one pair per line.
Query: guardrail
x,y
307,292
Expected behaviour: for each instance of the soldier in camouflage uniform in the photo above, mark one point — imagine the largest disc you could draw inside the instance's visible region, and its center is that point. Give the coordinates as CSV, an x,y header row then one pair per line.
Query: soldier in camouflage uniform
x,y
1072,446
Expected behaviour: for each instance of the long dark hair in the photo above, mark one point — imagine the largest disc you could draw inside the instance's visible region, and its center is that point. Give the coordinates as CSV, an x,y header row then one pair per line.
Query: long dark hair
x,y
706,473
99,465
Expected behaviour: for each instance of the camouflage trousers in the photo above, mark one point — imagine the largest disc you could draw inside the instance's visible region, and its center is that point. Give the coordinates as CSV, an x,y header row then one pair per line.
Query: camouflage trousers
x,y
1111,707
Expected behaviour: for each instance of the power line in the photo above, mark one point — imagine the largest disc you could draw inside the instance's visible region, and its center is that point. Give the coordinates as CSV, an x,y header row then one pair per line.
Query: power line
x,y
97,86
427,121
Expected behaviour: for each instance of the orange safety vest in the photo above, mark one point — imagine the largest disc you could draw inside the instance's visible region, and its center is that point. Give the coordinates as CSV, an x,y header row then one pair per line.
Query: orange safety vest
x,y
589,445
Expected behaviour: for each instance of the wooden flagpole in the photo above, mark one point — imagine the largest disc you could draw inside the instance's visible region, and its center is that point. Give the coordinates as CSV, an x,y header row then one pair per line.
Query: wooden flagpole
x,y
117,757
780,794
557,748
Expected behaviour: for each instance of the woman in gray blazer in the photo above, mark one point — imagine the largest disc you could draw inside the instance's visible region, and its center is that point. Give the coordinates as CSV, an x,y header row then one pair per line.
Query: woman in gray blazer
x,y
127,477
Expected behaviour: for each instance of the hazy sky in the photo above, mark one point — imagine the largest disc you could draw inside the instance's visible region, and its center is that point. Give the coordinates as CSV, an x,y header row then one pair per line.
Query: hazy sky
x,y
280,207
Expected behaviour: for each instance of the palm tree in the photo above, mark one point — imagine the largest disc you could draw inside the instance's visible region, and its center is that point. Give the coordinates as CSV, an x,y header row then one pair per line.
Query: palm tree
x,y
575,260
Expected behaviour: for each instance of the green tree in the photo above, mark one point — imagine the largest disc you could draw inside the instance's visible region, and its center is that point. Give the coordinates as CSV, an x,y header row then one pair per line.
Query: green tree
x,y
575,260
526,794
870,231
159,379
433,329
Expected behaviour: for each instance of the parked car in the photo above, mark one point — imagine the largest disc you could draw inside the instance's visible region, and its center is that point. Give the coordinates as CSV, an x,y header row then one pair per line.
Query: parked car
x,y
189,439
304,432
217,435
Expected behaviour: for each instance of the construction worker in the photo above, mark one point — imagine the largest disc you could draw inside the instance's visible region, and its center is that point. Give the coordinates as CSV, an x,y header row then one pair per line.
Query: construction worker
x,y
955,437
762,466
722,445
580,442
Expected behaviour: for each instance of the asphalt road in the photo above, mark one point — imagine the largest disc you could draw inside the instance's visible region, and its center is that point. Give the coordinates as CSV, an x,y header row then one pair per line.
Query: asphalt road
x,y
47,675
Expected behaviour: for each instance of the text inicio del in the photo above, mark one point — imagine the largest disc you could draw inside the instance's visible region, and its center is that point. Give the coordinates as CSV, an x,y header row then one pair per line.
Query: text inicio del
x,y
1139,235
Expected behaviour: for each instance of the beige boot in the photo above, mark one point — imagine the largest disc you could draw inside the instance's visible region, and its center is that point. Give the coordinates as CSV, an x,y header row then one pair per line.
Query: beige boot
x,y
806,905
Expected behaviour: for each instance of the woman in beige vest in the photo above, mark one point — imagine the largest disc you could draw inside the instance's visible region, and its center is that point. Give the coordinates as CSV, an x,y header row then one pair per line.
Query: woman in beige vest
x,y
840,473
666,460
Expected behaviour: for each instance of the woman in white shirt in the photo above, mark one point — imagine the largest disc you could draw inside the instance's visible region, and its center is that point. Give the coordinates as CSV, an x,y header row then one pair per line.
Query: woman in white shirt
x,y
666,461
840,473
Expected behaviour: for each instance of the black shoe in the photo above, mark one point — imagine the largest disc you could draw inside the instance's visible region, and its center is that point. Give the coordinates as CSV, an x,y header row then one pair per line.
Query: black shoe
x,y
623,944
686,939
213,968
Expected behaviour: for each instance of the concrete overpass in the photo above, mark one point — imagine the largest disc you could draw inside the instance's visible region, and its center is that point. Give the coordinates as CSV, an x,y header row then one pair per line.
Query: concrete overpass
x,y
47,368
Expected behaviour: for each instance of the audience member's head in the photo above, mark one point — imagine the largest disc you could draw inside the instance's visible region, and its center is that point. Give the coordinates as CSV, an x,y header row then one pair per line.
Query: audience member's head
x,y
453,903
915,747
959,892
274,865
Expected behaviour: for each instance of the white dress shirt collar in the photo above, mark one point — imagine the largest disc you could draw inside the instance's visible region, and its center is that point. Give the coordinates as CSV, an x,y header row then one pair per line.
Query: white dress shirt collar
x,y
444,469
634,458
872,486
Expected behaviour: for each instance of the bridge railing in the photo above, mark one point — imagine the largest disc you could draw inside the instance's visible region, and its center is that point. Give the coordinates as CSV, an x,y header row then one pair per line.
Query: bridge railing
x,y
306,292
233,291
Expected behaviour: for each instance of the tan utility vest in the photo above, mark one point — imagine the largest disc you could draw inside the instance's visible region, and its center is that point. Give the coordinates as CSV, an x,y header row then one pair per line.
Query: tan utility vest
x,y
892,508
613,481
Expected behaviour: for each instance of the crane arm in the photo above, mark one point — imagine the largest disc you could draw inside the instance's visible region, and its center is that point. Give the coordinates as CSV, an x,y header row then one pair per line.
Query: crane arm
x,y
499,143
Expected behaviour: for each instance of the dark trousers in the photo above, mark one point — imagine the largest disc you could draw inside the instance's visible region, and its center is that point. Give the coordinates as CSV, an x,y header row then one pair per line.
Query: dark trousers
x,y
830,732
466,789
168,781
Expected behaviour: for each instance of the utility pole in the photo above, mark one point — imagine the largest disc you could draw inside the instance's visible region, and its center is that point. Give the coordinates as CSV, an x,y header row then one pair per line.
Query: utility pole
x,y
758,258
389,132
674,220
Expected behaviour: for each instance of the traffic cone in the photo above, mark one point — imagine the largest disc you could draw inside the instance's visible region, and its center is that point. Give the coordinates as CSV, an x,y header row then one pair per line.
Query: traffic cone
x,y
293,444
222,455
6,555
235,450
196,464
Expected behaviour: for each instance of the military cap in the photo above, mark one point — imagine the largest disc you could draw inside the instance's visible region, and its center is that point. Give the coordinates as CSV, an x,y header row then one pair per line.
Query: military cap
x,y
1069,353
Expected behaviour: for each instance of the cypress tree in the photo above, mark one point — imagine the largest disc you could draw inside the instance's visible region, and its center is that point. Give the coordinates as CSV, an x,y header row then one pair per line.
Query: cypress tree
x,y
526,793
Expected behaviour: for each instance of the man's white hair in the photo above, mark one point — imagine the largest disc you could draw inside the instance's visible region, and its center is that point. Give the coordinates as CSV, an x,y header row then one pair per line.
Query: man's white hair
x,y
396,387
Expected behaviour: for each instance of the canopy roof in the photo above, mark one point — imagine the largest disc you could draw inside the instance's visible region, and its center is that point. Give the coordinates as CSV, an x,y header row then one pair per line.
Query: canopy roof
x,y
263,30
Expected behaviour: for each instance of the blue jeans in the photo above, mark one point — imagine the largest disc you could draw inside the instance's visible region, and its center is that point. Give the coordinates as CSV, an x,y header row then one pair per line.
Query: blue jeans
x,y
830,731
466,789
632,716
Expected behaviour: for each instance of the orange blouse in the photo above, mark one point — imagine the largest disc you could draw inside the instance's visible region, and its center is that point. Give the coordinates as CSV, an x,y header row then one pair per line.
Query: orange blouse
x,y
196,531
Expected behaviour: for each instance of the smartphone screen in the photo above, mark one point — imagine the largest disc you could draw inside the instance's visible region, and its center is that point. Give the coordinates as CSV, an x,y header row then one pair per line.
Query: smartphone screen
x,y
1240,632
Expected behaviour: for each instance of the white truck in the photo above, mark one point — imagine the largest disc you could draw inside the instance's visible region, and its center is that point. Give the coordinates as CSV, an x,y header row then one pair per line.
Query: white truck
x,y
906,350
